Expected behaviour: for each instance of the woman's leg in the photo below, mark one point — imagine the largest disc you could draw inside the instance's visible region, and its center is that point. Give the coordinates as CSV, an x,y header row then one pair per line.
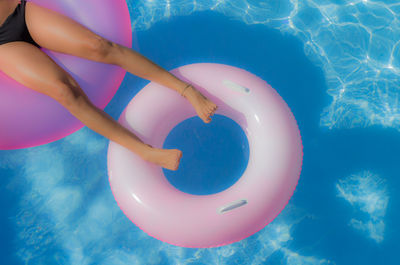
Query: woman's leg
x,y
31,67
57,32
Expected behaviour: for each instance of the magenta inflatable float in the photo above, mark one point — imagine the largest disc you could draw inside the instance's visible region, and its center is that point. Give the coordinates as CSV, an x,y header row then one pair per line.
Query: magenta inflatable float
x,y
275,158
28,118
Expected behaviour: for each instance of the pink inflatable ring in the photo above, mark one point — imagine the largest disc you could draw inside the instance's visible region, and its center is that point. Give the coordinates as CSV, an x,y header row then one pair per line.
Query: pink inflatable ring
x,y
182,219
28,118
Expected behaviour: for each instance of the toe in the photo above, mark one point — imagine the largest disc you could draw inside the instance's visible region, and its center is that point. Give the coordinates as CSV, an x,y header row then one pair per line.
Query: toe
x,y
207,119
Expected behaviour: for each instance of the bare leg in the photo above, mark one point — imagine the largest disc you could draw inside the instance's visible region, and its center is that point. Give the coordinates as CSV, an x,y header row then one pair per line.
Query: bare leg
x,y
137,64
52,80
59,33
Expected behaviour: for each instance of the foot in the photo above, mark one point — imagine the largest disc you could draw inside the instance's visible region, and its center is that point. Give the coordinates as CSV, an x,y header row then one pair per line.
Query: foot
x,y
203,106
167,158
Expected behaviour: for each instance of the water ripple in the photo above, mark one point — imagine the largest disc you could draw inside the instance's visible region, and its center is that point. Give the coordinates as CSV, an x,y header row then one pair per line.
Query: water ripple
x,y
355,42
367,192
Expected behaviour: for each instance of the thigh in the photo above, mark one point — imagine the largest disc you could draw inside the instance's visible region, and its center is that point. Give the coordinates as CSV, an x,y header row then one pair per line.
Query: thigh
x,y
31,67
55,31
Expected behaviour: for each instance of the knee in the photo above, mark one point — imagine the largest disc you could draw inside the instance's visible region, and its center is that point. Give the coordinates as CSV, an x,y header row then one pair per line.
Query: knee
x,y
67,94
100,48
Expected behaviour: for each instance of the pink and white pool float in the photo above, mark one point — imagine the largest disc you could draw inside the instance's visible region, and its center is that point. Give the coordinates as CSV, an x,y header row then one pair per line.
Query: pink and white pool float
x,y
275,159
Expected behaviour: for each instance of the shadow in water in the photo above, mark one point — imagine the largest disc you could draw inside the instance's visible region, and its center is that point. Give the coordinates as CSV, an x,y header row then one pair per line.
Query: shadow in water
x,y
328,155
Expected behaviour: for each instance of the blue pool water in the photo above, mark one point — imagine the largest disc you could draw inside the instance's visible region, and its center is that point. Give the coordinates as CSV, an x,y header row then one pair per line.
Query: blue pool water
x,y
215,155
335,63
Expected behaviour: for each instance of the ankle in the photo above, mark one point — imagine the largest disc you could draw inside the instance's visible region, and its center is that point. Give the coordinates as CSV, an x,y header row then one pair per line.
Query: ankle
x,y
145,152
186,90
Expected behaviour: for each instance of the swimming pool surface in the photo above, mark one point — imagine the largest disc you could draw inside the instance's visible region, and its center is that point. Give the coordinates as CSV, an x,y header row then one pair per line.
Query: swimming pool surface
x,y
335,63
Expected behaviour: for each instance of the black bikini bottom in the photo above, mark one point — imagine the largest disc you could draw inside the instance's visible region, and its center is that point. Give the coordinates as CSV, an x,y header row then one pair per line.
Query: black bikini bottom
x,y
14,28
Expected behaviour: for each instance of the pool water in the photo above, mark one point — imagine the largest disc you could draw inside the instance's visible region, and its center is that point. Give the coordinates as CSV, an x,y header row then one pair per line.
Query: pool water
x,y
336,66
215,155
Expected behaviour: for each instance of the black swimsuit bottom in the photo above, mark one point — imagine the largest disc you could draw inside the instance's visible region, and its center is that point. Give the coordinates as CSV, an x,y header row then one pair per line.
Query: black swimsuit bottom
x,y
14,28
